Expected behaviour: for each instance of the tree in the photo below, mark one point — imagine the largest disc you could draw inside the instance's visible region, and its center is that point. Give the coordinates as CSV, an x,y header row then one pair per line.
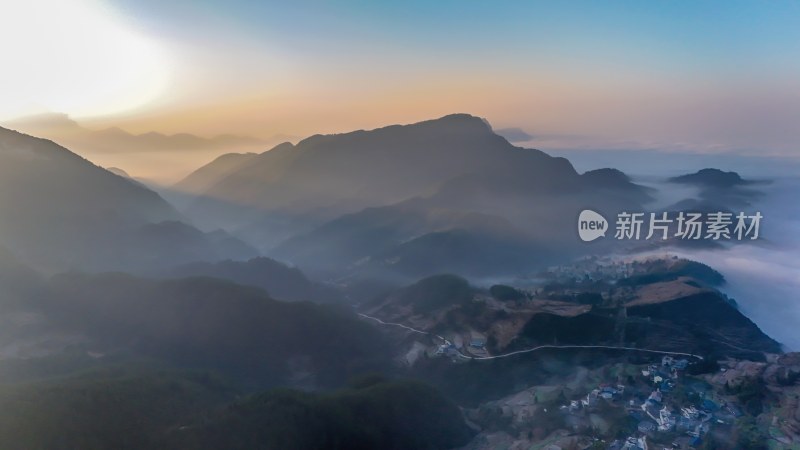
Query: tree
x,y
589,298
506,293
562,398
750,437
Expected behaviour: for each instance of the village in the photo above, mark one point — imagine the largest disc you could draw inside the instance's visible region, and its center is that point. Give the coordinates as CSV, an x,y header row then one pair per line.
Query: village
x,y
670,410
622,406
592,268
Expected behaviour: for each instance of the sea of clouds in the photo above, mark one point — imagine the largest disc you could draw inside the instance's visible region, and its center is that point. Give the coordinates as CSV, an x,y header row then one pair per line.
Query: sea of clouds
x,y
764,276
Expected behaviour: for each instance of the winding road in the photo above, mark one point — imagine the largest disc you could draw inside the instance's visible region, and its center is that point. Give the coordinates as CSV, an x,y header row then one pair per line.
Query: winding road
x,y
533,349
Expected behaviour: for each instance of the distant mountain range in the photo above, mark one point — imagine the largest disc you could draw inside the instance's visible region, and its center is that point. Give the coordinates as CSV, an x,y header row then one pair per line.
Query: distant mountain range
x,y
116,140
158,157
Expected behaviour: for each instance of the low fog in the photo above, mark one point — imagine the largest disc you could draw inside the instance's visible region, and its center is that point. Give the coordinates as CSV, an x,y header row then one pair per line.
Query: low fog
x,y
764,276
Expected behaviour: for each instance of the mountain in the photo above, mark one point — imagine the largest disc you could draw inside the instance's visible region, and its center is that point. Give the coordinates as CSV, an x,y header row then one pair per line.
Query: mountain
x,y
379,414
185,244
207,176
60,211
326,176
135,408
331,202
434,293
211,324
116,140
124,408
720,190
390,238
667,305
183,193
410,240
361,168
228,193
473,226
18,282
711,178
281,281
705,322
468,252
702,323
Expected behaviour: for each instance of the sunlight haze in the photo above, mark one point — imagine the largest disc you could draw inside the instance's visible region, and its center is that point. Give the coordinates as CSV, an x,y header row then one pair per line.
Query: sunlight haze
x,y
669,76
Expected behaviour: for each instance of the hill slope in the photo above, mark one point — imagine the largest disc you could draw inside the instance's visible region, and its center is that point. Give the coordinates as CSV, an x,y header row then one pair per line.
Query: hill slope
x,y
281,281
213,324
60,211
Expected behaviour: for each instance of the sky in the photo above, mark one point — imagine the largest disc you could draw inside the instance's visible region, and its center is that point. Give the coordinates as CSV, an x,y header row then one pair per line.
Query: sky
x,y
685,76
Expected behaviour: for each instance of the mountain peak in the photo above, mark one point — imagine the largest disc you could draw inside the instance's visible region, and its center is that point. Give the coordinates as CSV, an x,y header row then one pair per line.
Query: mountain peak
x,y
452,124
461,121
